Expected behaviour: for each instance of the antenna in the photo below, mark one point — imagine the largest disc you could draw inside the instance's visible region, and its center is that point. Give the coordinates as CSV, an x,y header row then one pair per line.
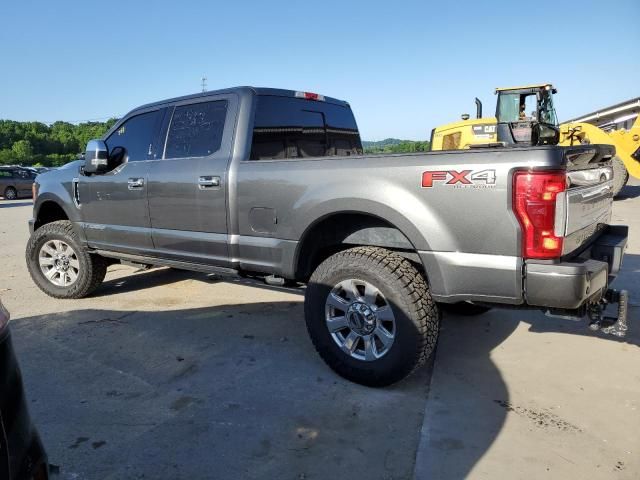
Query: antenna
x,y
203,81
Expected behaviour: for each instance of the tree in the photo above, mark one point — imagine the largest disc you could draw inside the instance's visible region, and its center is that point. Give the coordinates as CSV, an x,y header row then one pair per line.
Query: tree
x,y
22,150
51,145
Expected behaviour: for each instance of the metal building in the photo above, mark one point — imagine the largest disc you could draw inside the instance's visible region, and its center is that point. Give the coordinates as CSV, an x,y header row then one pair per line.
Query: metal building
x,y
616,117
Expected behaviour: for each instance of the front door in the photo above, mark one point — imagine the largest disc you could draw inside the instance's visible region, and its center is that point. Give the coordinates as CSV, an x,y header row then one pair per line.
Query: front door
x,y
188,187
114,206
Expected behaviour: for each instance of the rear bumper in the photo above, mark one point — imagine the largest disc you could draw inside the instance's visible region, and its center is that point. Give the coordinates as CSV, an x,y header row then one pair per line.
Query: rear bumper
x,y
580,280
32,224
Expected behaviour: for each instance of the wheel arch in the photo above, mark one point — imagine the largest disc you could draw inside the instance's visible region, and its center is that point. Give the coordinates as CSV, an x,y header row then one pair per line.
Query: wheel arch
x,y
338,231
49,210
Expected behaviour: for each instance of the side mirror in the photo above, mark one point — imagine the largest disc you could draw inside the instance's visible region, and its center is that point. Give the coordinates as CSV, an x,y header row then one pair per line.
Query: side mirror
x,y
96,157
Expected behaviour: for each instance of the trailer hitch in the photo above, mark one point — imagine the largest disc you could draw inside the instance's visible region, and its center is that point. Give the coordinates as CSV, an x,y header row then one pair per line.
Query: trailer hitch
x,y
598,321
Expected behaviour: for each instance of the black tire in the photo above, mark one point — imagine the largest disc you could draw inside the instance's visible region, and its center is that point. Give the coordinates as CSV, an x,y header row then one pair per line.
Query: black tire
x,y
406,292
92,268
10,193
620,176
464,308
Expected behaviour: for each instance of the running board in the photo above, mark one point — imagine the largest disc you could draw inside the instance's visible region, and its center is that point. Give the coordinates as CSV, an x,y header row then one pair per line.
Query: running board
x,y
144,260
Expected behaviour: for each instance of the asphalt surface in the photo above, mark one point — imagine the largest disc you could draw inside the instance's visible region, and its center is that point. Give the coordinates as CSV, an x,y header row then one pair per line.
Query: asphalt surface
x,y
169,374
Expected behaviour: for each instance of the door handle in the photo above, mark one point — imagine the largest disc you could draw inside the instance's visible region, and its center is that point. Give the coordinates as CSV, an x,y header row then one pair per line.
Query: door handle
x,y
135,183
207,181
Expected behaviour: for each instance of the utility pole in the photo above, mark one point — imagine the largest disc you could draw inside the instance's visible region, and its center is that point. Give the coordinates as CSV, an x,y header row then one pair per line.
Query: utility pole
x,y
204,83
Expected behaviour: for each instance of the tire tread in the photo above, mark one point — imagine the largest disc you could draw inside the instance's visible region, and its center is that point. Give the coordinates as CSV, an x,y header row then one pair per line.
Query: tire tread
x,y
423,310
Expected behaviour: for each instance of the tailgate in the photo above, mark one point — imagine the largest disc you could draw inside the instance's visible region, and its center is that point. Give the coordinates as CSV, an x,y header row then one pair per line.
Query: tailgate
x,y
584,209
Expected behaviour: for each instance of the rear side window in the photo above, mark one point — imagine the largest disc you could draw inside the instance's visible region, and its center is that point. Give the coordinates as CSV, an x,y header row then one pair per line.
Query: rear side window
x,y
196,130
287,127
6,174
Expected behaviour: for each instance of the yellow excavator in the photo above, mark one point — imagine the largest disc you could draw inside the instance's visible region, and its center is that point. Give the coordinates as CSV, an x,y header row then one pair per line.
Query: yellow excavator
x,y
526,116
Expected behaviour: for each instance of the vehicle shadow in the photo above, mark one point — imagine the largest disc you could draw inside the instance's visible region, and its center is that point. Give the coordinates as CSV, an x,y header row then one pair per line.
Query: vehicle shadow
x,y
233,389
629,192
11,204
143,279
158,276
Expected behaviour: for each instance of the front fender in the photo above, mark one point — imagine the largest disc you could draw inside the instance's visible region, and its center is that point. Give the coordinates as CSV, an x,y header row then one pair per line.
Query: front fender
x,y
57,187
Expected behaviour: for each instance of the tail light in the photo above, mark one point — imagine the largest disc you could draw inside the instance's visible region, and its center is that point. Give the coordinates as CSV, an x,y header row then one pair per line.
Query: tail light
x,y
534,203
34,191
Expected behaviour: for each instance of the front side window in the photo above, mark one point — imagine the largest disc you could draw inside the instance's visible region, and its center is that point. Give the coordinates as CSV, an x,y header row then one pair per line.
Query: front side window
x,y
135,136
196,130
6,174
287,127
25,174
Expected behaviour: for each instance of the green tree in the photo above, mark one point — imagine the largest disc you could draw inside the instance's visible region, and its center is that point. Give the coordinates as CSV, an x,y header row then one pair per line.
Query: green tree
x,y
22,150
50,145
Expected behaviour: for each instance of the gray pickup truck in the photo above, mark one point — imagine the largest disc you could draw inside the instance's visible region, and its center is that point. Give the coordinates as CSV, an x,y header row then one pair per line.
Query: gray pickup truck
x,y
273,184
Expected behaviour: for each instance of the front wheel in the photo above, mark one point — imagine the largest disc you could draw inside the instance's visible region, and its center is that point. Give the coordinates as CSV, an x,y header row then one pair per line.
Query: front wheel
x,y
10,193
59,265
370,315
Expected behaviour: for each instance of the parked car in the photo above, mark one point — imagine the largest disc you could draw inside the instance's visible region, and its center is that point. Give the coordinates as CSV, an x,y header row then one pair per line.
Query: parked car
x,y
37,170
16,182
22,456
273,183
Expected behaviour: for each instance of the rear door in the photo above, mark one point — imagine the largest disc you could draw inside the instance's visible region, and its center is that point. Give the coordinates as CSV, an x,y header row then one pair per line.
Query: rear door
x,y
188,186
114,205
6,180
24,180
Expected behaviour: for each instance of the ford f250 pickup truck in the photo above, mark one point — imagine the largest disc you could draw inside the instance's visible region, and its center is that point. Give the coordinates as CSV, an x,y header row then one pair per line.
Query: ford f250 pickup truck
x,y
274,184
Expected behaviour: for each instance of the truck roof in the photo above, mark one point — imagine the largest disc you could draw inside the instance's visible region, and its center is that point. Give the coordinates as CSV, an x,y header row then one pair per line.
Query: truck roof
x,y
242,89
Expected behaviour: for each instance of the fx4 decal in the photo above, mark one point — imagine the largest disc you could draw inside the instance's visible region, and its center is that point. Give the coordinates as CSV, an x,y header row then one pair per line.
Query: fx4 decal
x,y
461,179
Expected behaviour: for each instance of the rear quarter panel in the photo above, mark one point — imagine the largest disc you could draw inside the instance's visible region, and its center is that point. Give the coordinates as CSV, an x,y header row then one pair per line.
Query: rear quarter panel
x,y
471,220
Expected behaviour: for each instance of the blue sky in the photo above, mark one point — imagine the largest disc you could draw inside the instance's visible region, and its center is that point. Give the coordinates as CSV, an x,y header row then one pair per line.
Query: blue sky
x,y
405,67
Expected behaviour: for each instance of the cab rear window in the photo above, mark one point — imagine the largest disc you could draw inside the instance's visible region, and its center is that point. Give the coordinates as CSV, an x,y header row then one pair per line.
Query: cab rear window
x,y
288,127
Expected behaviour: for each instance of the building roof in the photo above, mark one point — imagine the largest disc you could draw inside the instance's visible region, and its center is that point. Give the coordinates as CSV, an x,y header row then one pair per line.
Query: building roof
x,y
610,113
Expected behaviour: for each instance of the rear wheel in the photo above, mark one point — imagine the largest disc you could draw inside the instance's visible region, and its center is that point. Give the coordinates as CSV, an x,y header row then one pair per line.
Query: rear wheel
x,y
10,193
59,265
620,175
370,315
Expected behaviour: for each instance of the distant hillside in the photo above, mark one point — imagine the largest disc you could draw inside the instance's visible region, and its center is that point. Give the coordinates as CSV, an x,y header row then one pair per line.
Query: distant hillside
x,y
395,145
381,143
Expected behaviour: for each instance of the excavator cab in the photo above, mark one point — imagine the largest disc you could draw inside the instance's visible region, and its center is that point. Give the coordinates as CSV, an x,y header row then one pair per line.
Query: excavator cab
x,y
526,116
